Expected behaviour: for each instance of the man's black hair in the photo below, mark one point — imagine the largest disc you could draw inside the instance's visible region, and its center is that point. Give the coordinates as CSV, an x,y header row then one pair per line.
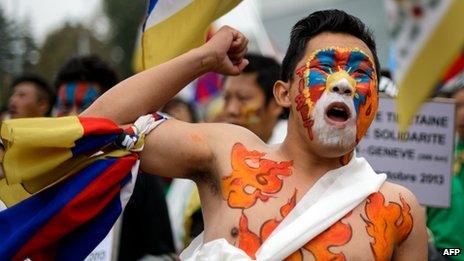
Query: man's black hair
x,y
45,92
87,69
176,101
335,21
267,70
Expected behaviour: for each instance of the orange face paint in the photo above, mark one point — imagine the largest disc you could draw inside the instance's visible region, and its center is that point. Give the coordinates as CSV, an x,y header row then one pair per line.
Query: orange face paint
x,y
388,225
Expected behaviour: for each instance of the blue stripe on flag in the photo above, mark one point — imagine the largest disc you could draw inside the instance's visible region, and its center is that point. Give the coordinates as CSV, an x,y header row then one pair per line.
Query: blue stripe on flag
x,y
20,222
92,142
151,6
79,244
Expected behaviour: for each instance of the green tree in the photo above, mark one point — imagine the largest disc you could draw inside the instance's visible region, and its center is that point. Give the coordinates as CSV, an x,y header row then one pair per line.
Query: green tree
x,y
66,42
29,51
125,19
5,57
18,53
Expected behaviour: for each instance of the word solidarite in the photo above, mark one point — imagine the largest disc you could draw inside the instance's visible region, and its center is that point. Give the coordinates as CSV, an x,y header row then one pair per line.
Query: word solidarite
x,y
418,137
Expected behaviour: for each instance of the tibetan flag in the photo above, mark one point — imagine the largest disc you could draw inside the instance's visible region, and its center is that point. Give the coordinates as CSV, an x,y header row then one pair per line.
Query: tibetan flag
x,y
66,182
428,37
207,87
175,27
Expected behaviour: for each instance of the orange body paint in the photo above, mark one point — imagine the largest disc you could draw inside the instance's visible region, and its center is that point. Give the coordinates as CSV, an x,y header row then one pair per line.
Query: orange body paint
x,y
246,184
388,225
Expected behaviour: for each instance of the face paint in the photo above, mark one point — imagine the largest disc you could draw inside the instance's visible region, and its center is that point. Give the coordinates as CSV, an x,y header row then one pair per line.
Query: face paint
x,y
337,67
249,114
75,97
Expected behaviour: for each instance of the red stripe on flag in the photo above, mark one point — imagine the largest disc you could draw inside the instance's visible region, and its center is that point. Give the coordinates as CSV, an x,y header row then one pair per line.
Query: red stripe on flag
x,y
82,208
98,126
455,68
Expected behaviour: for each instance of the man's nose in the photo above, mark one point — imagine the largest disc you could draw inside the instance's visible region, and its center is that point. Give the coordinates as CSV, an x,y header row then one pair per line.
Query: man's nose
x,y
232,107
12,100
342,87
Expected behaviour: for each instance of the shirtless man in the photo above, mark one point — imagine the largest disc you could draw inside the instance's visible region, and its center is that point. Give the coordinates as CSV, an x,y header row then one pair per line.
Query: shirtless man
x,y
247,188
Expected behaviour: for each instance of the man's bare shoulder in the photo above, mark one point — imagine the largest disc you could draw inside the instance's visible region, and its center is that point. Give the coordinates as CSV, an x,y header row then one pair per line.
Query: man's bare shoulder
x,y
409,221
396,193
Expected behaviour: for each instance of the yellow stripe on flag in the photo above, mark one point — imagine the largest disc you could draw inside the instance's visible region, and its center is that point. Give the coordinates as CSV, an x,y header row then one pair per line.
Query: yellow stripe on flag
x,y
181,32
37,145
12,194
430,64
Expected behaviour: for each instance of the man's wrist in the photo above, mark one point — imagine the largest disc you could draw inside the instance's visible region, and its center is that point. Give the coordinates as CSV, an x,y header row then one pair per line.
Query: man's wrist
x,y
207,59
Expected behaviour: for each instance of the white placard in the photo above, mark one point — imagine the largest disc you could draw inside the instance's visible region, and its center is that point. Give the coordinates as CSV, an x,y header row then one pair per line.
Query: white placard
x,y
420,159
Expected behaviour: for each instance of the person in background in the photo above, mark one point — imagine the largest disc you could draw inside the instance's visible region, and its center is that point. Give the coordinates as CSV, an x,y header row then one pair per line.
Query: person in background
x,y
180,110
446,223
249,99
32,97
80,81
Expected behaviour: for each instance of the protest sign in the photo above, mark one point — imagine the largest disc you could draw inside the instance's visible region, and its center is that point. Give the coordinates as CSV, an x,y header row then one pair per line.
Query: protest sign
x,y
421,158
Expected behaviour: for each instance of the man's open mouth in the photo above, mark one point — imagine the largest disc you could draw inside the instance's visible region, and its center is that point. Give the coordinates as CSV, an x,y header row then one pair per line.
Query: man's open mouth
x,y
338,114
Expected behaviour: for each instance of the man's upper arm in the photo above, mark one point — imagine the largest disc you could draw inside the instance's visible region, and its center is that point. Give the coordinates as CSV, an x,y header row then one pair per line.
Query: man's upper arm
x,y
414,247
185,150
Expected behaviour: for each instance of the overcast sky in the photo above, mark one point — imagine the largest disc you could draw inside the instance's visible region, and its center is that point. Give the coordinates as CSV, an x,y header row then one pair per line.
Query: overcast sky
x,y
47,15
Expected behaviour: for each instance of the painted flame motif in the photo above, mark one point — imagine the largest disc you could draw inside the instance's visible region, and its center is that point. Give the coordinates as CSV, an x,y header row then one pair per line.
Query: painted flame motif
x,y
336,235
246,184
388,225
249,241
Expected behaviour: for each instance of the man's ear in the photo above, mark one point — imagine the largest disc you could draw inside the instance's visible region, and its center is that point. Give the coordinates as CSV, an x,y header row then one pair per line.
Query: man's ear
x,y
282,93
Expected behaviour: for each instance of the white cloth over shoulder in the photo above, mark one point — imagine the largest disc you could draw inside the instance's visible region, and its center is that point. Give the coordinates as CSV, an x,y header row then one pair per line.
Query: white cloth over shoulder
x,y
334,195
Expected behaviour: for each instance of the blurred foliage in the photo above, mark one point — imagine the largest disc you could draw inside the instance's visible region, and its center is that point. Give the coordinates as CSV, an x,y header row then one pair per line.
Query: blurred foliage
x,y
18,53
125,18
66,42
